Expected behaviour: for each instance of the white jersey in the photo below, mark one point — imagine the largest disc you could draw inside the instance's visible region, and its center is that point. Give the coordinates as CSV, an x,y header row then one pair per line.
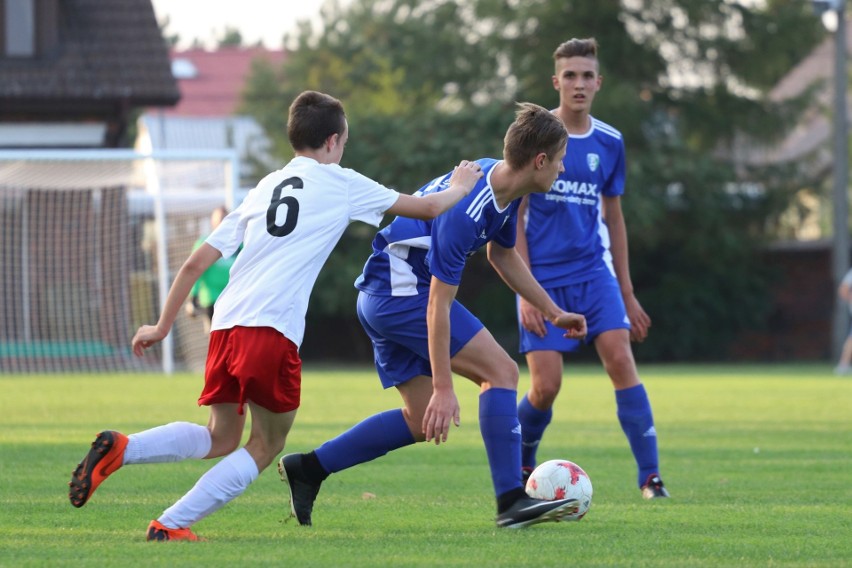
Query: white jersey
x,y
288,225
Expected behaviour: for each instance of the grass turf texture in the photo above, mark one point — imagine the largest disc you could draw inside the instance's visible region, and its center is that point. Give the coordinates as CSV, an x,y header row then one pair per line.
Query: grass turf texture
x,y
758,460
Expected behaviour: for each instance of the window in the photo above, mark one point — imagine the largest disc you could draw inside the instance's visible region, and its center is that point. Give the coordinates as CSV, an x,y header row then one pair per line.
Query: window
x,y
19,28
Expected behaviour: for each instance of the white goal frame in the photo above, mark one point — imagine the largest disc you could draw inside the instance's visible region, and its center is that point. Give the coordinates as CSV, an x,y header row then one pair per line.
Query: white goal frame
x,y
231,196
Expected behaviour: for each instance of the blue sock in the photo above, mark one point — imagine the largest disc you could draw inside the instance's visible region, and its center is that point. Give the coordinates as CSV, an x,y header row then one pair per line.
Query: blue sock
x,y
533,423
369,439
501,432
637,421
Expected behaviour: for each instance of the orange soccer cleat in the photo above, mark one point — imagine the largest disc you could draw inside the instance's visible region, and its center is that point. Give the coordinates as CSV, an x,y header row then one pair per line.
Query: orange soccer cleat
x,y
160,532
104,458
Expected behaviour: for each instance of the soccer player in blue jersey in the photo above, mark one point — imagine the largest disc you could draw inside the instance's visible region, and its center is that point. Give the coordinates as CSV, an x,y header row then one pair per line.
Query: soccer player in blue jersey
x,y
574,239
422,335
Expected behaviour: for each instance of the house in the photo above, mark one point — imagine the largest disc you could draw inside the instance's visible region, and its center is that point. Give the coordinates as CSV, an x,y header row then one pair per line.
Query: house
x,y
208,118
814,131
804,294
72,72
809,141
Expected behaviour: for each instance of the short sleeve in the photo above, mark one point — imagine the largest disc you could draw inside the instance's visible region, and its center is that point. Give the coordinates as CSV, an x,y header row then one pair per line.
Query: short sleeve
x,y
368,199
507,234
229,235
454,236
614,184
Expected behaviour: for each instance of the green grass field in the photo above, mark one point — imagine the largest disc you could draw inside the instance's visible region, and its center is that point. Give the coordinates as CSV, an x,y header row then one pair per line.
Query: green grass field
x,y
758,460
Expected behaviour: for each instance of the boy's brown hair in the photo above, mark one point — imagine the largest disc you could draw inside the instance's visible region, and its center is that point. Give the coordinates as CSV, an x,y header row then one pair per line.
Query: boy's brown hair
x,y
535,130
313,117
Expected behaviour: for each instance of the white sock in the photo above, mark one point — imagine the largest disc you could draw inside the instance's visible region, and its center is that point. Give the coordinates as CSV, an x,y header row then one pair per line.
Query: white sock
x,y
224,482
170,443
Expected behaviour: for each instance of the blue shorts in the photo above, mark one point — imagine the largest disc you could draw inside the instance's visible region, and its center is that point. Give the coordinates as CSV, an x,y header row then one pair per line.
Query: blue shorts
x,y
397,327
599,300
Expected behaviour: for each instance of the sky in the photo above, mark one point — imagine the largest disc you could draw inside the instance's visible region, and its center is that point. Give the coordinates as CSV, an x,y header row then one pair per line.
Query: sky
x,y
207,19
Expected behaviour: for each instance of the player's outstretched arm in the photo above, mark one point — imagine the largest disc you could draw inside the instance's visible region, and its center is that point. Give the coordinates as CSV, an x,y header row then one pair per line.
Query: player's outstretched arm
x,y
517,276
199,261
464,177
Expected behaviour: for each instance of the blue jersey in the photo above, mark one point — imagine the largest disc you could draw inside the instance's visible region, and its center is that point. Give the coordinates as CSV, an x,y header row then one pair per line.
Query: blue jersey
x,y
408,252
567,238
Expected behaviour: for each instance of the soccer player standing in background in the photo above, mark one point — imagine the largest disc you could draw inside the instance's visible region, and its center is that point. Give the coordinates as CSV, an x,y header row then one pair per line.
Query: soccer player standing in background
x,y
287,226
422,335
575,241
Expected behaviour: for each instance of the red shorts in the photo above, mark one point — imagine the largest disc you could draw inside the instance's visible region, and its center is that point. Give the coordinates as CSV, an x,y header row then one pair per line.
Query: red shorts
x,y
252,363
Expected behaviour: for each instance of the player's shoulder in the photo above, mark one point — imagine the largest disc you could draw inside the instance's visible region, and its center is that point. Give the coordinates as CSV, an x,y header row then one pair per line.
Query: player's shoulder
x,y
310,171
605,130
488,163
479,204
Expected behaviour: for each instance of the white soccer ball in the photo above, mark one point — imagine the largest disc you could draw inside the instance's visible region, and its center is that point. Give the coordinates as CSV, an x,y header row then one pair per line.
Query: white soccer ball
x,y
561,479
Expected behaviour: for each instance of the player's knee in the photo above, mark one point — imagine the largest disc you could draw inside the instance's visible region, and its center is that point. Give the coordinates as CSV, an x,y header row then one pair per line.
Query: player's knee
x,y
275,447
264,451
222,445
546,391
414,421
619,358
506,375
621,369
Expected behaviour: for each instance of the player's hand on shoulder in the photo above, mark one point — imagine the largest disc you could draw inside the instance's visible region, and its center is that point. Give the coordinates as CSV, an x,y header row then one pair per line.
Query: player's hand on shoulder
x,y
573,324
145,337
465,175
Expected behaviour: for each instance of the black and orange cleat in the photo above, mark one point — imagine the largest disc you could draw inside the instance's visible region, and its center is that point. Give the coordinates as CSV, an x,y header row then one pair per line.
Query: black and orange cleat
x,y
103,459
159,532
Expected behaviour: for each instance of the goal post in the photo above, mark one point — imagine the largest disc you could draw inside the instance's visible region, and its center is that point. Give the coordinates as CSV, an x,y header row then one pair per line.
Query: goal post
x,y
90,243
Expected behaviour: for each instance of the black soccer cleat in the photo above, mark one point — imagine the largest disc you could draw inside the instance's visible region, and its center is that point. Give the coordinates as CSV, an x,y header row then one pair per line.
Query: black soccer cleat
x,y
302,492
528,511
654,488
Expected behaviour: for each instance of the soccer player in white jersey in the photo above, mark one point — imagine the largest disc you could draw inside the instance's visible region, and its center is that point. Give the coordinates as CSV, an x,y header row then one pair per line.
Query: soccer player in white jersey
x,y
422,335
574,239
287,226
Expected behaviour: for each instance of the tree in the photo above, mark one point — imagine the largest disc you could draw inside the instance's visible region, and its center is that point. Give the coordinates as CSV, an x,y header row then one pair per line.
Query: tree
x,y
231,37
428,83
170,38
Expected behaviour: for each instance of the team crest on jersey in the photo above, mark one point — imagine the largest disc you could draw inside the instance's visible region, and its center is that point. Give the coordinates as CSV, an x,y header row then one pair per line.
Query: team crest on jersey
x,y
593,160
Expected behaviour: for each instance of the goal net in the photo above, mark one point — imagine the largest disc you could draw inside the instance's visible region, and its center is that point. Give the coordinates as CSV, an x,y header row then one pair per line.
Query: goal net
x,y
90,242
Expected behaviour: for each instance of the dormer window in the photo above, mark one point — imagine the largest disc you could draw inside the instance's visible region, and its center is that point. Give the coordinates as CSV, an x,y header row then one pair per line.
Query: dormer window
x,y
28,28
19,28
183,68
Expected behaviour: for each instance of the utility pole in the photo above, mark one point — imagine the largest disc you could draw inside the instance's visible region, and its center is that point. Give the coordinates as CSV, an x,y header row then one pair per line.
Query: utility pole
x,y
840,256
840,192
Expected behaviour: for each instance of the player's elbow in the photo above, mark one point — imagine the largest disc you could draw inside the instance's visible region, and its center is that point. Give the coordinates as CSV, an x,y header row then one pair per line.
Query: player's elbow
x,y
194,267
496,255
